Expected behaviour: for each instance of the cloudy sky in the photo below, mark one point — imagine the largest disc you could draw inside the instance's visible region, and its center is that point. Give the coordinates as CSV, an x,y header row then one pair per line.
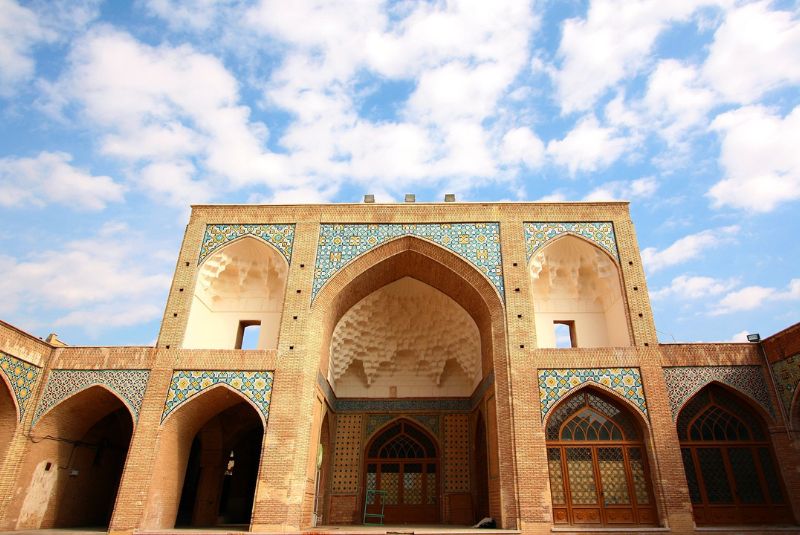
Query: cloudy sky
x,y
116,116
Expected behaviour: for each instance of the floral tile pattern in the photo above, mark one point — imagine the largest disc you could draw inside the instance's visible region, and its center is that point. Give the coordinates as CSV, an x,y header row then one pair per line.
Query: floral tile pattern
x,y
376,421
281,236
477,243
685,381
601,233
787,375
554,384
22,377
256,386
61,384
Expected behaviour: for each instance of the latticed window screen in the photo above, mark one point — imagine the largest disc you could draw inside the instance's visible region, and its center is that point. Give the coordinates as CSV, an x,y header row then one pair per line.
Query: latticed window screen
x,y
596,460
725,451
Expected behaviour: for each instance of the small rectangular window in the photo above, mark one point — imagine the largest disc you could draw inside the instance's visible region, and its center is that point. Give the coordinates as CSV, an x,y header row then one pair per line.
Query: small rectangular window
x,y
565,334
247,336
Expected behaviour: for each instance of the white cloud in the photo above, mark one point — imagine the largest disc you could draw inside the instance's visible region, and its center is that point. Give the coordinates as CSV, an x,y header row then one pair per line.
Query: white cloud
x,y
588,146
20,30
760,157
612,42
196,15
755,50
521,145
687,248
641,188
741,336
102,281
50,178
754,297
693,287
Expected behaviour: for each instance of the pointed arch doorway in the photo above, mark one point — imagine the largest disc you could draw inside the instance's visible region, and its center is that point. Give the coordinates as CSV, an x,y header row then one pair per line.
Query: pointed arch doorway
x,y
403,461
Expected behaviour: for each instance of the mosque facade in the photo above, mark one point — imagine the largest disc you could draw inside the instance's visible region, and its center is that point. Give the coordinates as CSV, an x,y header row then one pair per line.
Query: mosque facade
x,y
323,367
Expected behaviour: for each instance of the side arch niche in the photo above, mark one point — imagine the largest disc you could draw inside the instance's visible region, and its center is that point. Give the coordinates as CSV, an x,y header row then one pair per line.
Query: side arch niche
x,y
74,463
597,462
576,285
206,462
9,416
730,467
240,285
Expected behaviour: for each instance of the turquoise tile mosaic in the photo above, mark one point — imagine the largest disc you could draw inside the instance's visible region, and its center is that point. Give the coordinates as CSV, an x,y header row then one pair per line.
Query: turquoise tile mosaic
x,y
554,384
280,236
683,382
22,377
537,234
255,386
787,375
477,243
129,385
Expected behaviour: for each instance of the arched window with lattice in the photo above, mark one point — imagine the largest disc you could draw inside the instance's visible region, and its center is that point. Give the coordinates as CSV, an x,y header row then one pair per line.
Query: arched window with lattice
x,y
728,461
597,463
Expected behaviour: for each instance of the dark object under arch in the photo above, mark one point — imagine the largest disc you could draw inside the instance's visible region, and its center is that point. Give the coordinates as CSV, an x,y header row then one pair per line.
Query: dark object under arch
x,y
597,463
729,462
403,461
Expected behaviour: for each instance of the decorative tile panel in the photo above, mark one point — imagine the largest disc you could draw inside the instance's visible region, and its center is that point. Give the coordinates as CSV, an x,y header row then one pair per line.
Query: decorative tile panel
x,y
402,405
555,384
376,421
685,381
477,243
280,236
347,454
456,453
256,386
600,233
61,384
22,377
787,377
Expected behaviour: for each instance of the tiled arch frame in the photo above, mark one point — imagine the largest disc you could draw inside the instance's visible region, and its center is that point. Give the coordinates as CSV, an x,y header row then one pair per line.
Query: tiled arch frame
x,y
254,387
683,382
126,385
376,422
787,379
623,384
20,378
479,297
599,233
279,236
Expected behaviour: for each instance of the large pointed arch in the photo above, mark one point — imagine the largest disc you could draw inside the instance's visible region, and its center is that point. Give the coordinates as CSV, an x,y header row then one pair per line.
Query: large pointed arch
x,y
220,405
588,288
9,416
125,403
450,274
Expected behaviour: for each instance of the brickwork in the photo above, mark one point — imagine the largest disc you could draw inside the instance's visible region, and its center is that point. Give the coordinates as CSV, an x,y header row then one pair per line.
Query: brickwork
x,y
302,406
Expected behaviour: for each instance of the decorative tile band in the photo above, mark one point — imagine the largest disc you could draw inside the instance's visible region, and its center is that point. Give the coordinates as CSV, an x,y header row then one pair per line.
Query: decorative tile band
x,y
555,384
256,386
22,377
683,382
376,421
600,233
477,243
61,384
401,405
280,236
787,375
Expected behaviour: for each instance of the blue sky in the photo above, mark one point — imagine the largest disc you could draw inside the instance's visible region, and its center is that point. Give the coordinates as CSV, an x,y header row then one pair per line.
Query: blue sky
x,y
116,116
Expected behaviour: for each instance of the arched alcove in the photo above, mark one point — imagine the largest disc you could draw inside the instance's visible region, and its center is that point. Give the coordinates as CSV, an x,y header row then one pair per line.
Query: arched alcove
x,y
240,286
405,339
75,462
597,462
8,417
728,460
576,285
221,431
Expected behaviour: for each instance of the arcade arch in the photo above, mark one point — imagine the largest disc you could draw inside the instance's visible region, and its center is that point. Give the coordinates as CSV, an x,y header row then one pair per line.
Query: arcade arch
x,y
75,462
577,284
241,285
728,460
8,417
206,463
598,462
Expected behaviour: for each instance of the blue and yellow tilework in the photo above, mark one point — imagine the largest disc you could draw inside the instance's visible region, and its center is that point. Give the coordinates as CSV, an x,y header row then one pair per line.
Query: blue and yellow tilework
x,y
600,233
61,384
22,377
683,382
280,236
256,386
787,377
477,243
554,384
